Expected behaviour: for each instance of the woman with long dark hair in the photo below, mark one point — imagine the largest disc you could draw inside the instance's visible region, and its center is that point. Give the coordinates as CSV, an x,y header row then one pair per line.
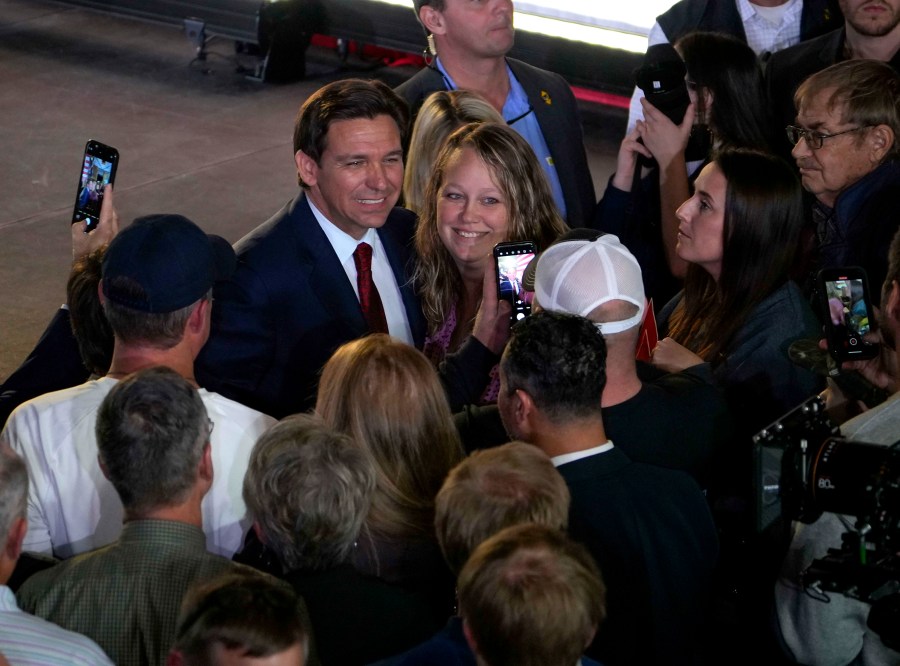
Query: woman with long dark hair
x,y
739,311
727,110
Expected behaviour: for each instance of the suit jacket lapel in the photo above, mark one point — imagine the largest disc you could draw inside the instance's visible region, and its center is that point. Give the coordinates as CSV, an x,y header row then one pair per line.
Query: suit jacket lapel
x,y
327,278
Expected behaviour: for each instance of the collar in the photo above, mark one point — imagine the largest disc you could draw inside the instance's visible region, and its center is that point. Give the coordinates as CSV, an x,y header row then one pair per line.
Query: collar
x,y
343,243
7,600
165,533
578,455
747,9
516,101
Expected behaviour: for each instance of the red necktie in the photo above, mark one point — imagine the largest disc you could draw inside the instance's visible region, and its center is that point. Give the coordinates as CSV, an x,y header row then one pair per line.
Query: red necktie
x,y
369,300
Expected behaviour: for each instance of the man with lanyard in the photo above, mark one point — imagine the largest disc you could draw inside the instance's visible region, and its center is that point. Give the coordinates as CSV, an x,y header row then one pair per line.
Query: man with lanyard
x,y
468,43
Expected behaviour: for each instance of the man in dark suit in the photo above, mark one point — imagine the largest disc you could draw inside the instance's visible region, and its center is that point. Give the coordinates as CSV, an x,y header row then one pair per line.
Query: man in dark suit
x,y
303,285
470,42
649,528
871,31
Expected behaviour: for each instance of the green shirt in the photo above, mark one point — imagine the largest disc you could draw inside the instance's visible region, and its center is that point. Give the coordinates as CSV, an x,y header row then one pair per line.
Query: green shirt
x,y
126,596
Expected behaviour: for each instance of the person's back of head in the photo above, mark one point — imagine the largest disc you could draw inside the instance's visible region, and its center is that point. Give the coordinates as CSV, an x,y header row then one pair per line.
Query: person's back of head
x,y
441,113
726,75
155,272
593,275
89,324
865,92
496,488
529,596
13,502
388,398
559,360
309,490
240,618
152,434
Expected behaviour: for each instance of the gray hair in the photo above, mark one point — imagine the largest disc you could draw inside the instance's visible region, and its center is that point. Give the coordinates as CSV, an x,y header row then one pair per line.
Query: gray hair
x,y
309,489
13,488
151,432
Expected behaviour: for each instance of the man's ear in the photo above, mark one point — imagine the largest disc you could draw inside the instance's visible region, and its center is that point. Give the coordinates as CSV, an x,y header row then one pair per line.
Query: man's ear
x,y
198,318
15,537
307,168
103,467
881,141
432,19
524,412
206,464
891,303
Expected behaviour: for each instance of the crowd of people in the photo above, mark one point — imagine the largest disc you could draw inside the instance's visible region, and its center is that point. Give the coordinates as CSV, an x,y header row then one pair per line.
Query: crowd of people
x,y
331,444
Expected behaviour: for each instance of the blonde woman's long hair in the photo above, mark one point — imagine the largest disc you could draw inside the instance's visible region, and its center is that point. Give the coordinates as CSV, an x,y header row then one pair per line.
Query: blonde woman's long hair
x,y
532,211
387,396
441,113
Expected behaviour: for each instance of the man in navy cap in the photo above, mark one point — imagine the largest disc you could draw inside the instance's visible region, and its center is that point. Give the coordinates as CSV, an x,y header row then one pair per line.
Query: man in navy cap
x,y
156,288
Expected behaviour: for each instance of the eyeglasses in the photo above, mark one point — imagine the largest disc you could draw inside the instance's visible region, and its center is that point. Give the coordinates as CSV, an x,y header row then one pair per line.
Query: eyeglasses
x,y
814,139
212,425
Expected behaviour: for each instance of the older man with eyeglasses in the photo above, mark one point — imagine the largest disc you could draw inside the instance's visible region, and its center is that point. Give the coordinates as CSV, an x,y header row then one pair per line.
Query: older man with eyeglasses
x,y
846,147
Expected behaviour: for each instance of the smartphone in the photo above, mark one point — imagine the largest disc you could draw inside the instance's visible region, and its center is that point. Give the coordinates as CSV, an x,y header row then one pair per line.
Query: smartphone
x,y
511,259
848,313
98,169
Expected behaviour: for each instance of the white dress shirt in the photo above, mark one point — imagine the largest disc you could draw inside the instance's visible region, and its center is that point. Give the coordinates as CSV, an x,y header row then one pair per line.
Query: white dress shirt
x,y
73,508
344,246
768,29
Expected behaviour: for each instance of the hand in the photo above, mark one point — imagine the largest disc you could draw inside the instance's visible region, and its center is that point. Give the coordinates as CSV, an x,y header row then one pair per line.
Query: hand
x,y
673,357
491,326
627,159
882,371
661,136
84,242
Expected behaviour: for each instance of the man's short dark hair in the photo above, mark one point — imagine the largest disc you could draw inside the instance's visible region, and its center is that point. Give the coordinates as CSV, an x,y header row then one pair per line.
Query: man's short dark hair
x,y
249,613
151,431
560,361
162,330
347,99
89,324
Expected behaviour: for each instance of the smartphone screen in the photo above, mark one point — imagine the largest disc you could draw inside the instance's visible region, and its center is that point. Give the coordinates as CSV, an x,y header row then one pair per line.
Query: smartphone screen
x,y
98,169
511,260
848,313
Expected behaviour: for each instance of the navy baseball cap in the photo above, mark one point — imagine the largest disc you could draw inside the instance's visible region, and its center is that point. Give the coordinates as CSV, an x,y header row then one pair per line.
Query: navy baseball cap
x,y
170,258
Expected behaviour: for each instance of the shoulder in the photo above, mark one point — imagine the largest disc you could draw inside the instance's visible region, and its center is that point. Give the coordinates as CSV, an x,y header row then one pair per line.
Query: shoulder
x,y
419,86
532,77
273,234
59,413
35,640
809,55
400,226
235,416
681,17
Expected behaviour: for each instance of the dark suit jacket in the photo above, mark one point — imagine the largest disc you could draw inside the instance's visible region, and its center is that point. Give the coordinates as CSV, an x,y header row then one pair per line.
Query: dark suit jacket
x,y
818,16
557,114
787,69
652,535
54,364
287,308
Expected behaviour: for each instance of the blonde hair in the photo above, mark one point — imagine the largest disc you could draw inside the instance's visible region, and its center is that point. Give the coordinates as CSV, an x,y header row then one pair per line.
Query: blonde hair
x,y
496,488
441,113
387,396
532,212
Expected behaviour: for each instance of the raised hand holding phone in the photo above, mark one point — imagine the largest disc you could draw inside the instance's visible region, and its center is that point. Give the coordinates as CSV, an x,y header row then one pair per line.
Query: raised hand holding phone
x,y
98,170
